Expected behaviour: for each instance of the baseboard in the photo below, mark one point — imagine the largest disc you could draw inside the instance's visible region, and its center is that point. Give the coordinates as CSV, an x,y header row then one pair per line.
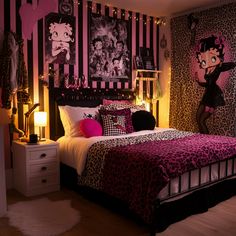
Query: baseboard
x,y
9,178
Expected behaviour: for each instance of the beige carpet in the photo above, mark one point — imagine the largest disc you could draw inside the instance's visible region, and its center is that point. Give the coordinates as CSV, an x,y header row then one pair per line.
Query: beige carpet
x,y
42,217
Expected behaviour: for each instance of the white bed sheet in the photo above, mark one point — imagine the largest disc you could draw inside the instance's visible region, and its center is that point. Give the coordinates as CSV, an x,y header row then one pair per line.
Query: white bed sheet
x,y
73,150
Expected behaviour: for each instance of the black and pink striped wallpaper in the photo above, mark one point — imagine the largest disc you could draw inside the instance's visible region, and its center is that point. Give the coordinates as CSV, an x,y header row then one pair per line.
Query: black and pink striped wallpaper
x,y
144,32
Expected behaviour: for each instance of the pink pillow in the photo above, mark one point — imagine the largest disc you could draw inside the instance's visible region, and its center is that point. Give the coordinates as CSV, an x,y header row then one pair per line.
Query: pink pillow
x,y
90,128
108,102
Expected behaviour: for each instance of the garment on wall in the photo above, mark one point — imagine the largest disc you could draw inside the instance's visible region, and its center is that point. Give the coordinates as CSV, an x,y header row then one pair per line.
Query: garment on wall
x,y
13,74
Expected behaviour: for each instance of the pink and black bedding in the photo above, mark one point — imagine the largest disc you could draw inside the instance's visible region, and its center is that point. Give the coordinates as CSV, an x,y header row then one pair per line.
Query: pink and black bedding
x,y
136,169
154,171
145,167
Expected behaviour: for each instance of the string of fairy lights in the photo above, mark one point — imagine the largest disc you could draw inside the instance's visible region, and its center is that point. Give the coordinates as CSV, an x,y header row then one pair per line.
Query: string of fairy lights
x,y
116,11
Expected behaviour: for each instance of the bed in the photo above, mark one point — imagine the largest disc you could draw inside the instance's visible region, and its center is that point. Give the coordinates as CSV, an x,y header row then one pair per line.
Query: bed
x,y
201,172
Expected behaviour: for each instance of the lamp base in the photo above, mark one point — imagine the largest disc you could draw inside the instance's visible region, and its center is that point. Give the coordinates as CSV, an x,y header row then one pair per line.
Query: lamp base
x,y
42,139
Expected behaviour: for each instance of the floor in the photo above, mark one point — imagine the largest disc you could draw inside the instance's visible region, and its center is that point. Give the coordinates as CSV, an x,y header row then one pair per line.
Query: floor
x,y
97,220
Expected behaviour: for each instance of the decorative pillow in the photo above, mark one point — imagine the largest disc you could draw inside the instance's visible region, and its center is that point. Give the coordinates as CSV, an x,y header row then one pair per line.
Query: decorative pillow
x,y
70,117
143,120
116,122
90,128
130,106
108,102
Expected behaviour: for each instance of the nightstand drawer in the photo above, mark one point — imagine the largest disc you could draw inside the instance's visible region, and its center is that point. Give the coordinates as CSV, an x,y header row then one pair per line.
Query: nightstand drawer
x,y
38,182
43,154
43,169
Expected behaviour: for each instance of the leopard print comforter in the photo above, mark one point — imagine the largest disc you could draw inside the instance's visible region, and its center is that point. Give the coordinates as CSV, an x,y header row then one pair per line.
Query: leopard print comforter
x,y
135,169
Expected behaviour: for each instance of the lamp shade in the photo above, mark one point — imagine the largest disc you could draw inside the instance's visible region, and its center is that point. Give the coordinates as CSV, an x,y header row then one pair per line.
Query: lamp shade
x,y
40,118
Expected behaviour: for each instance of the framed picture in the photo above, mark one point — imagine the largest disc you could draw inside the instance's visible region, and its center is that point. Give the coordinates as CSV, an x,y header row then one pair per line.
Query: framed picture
x,y
109,51
148,58
138,62
60,39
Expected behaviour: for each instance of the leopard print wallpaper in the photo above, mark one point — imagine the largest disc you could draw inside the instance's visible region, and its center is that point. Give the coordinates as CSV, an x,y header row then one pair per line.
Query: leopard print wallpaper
x,y
185,92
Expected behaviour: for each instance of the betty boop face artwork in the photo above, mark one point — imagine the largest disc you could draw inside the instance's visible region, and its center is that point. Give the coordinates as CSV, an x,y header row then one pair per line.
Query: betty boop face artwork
x,y
60,39
210,52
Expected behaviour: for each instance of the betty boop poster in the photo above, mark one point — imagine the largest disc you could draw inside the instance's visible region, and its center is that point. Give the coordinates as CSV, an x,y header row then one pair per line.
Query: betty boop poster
x,y
210,55
109,52
60,39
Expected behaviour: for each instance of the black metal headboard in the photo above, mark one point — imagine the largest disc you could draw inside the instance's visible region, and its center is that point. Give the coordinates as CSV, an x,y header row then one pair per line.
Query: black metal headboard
x,y
83,97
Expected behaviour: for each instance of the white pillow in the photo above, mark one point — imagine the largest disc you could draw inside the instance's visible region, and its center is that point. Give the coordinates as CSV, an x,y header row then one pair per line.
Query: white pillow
x,y
70,117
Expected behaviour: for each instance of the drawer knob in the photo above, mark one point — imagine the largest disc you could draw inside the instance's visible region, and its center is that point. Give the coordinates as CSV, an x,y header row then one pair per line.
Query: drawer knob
x,y
43,168
44,181
43,155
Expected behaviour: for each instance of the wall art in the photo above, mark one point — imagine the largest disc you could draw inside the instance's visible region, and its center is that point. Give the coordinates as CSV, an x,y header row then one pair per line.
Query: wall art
x,y
60,39
109,49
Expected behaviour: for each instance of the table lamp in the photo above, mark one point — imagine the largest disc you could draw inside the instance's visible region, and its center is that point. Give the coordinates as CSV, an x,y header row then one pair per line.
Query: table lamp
x,y
40,120
25,138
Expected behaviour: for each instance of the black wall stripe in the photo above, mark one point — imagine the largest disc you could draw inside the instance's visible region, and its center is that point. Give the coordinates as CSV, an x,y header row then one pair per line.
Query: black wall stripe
x,y
98,84
30,66
157,109
130,46
98,8
98,11
151,32
137,34
107,14
7,16
106,11
18,19
151,89
144,31
157,46
144,90
30,74
115,10
71,72
122,14
123,18
40,62
61,75
80,38
107,85
51,104
89,4
30,78
137,88
71,67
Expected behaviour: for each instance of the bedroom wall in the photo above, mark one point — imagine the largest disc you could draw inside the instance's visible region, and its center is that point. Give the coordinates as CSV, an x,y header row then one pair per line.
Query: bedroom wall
x,y
165,75
185,93
145,32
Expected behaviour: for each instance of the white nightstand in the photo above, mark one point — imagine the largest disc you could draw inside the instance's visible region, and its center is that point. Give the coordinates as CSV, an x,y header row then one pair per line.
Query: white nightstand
x,y
36,167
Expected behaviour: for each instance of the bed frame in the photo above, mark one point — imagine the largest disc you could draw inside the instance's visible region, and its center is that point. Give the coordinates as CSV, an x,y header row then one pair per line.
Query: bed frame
x,y
196,199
